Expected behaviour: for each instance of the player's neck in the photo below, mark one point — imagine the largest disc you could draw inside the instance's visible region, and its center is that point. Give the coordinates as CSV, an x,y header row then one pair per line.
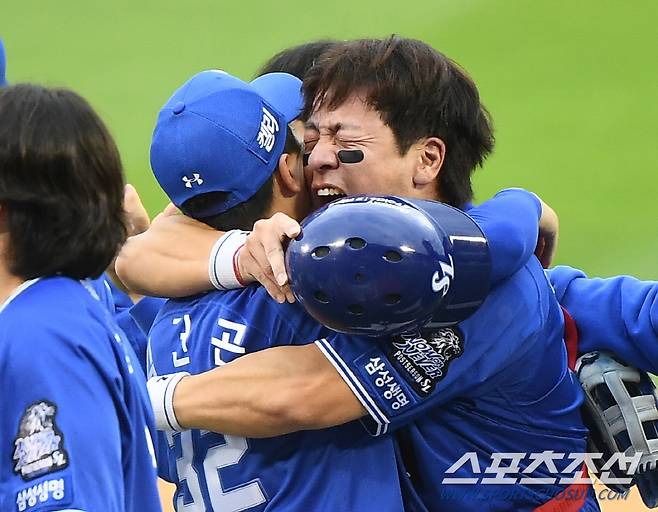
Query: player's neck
x,y
8,281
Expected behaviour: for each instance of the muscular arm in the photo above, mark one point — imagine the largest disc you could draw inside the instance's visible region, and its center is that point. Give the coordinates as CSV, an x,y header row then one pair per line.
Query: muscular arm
x,y
170,259
289,388
267,393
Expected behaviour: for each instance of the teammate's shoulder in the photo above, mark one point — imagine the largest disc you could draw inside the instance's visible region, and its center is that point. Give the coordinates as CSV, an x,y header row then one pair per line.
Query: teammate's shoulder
x,y
523,297
209,301
53,308
251,298
529,283
43,297
254,296
250,306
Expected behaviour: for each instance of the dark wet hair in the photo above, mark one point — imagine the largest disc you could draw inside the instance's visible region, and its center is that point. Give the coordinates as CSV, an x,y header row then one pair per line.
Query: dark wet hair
x,y
297,60
61,184
419,92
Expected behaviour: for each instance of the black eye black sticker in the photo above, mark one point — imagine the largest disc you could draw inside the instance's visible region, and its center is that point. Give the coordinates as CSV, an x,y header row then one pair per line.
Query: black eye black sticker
x,y
350,156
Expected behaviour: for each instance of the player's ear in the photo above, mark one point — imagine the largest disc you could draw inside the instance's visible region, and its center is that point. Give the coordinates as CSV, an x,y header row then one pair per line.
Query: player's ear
x,y
431,155
287,173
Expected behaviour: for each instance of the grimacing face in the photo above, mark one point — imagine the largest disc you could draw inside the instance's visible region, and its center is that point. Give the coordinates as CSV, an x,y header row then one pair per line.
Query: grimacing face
x,y
302,198
355,125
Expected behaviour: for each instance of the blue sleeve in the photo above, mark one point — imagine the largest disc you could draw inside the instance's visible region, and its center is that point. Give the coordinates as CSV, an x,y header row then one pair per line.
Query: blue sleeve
x,y
137,339
510,221
398,380
618,314
100,288
60,431
121,299
145,311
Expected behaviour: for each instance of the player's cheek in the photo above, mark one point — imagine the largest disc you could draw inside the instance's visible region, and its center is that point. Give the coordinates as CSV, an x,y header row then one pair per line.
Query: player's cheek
x,y
308,177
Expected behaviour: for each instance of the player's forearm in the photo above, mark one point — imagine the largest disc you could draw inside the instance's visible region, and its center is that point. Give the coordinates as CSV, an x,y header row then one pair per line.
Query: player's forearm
x,y
267,393
618,314
162,264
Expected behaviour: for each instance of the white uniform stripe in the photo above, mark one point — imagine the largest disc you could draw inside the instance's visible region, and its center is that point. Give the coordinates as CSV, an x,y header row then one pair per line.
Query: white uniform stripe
x,y
17,291
355,385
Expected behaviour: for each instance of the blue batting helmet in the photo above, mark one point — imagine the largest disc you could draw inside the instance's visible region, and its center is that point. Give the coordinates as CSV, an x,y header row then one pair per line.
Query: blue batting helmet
x,y
378,266
3,65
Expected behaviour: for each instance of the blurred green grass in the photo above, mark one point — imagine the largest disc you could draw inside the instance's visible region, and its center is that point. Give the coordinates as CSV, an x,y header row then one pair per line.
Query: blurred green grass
x,y
571,87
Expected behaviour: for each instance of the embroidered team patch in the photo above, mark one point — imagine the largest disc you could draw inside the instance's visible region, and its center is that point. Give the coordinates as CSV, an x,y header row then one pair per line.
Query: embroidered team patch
x,y
424,357
268,133
39,444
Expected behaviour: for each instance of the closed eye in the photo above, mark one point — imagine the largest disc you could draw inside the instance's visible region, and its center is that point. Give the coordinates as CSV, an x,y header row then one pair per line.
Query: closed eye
x,y
309,144
349,143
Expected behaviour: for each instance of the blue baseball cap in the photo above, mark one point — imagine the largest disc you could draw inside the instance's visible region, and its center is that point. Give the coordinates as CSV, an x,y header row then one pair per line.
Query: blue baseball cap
x,y
220,134
3,65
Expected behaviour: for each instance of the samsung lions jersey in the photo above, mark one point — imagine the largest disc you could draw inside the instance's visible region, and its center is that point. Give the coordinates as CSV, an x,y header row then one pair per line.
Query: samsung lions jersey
x,y
337,469
462,399
75,419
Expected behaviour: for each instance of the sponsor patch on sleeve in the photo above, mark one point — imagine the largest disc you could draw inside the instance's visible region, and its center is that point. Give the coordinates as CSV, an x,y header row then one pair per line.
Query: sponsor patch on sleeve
x,y
39,444
45,495
423,359
382,379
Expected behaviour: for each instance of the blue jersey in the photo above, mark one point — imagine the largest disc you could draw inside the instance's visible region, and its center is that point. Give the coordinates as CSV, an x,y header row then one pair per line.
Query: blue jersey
x,y
186,328
120,305
510,222
617,314
497,383
136,322
75,419
336,469
101,289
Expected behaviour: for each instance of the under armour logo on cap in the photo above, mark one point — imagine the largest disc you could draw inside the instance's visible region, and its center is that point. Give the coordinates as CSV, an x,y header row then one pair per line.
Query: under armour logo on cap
x,y
217,133
196,178
268,128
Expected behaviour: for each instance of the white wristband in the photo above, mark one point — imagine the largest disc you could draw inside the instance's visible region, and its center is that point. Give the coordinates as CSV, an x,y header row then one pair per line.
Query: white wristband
x,y
161,391
221,269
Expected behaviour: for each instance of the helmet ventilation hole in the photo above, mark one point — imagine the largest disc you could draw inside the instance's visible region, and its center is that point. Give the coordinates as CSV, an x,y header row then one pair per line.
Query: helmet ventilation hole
x,y
392,256
356,243
320,296
356,309
320,252
392,299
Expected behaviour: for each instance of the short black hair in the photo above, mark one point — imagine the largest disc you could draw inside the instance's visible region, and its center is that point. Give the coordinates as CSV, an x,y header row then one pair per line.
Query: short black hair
x,y
243,215
297,60
61,184
418,92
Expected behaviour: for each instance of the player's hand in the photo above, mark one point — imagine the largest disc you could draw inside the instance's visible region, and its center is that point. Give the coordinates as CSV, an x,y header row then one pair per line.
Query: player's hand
x,y
549,227
137,221
169,211
137,218
262,256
